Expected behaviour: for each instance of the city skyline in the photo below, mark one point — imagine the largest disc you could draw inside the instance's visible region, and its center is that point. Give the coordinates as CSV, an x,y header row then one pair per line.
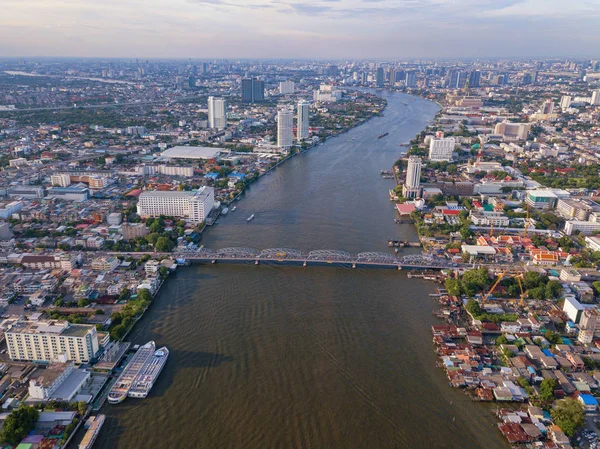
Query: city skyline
x,y
290,29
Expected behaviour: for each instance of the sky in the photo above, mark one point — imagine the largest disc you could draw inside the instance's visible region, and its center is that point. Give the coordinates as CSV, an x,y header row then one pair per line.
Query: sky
x,y
324,29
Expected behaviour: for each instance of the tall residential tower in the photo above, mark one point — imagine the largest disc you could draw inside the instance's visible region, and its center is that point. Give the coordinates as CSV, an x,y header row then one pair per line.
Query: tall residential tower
x,y
217,118
302,127
412,185
285,128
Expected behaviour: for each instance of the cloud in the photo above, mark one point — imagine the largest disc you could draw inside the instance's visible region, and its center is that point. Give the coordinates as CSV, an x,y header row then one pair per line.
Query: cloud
x,y
299,28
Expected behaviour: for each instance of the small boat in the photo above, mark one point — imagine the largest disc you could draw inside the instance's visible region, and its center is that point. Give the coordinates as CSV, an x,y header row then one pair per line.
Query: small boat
x,y
225,211
250,218
382,135
233,208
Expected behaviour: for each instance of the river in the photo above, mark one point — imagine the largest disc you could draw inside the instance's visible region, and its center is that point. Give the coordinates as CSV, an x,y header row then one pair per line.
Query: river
x,y
315,357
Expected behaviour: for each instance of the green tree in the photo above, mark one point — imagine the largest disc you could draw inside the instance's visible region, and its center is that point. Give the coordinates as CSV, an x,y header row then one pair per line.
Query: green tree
x,y
547,388
453,286
596,287
502,340
568,414
18,424
163,244
82,408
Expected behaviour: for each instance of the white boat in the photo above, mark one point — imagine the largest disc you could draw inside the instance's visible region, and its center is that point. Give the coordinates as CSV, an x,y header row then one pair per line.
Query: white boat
x,y
233,208
121,387
144,381
225,211
93,424
250,218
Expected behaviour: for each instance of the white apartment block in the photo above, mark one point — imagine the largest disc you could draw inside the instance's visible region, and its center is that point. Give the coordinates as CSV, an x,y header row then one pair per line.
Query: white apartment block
x,y
193,205
174,170
17,162
441,149
61,180
286,87
7,209
47,341
105,264
585,227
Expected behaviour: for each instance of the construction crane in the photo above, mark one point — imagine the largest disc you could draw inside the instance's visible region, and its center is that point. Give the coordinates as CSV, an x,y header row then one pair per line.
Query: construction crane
x,y
498,279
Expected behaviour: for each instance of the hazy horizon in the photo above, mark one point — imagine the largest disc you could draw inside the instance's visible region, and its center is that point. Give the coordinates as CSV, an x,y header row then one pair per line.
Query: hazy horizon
x,y
290,29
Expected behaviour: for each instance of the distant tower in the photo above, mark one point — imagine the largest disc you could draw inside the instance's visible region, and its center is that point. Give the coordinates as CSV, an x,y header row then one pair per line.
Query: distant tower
x,y
217,118
411,79
596,98
303,113
412,185
285,128
379,79
253,90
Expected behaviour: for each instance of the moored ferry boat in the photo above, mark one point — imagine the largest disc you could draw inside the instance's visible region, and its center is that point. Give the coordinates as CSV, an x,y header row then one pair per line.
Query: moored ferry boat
x,y
145,380
121,387
93,424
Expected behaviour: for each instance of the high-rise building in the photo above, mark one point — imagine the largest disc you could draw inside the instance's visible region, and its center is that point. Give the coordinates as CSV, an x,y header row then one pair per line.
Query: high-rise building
x,y
548,107
302,125
379,79
565,102
192,205
441,148
286,87
596,98
47,341
253,90
412,185
217,116
475,78
285,128
411,79
456,79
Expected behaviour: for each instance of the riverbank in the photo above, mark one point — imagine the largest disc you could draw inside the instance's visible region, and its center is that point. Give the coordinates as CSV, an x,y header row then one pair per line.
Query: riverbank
x,y
301,151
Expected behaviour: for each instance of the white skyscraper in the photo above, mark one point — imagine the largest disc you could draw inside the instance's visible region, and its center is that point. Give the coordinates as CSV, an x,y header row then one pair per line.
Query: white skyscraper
x,y
565,102
285,128
441,149
217,118
303,113
286,87
411,187
596,98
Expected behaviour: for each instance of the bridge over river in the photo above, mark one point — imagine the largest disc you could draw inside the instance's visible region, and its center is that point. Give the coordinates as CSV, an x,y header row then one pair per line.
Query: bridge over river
x,y
316,257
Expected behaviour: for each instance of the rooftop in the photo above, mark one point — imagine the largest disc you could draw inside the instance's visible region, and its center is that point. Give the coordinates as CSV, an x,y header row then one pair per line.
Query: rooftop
x,y
181,152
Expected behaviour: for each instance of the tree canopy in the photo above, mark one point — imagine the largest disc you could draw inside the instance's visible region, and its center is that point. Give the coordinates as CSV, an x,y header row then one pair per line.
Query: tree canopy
x,y
18,424
568,414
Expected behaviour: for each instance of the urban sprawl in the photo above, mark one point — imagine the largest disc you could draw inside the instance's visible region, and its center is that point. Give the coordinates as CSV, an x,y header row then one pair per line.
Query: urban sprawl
x,y
113,169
